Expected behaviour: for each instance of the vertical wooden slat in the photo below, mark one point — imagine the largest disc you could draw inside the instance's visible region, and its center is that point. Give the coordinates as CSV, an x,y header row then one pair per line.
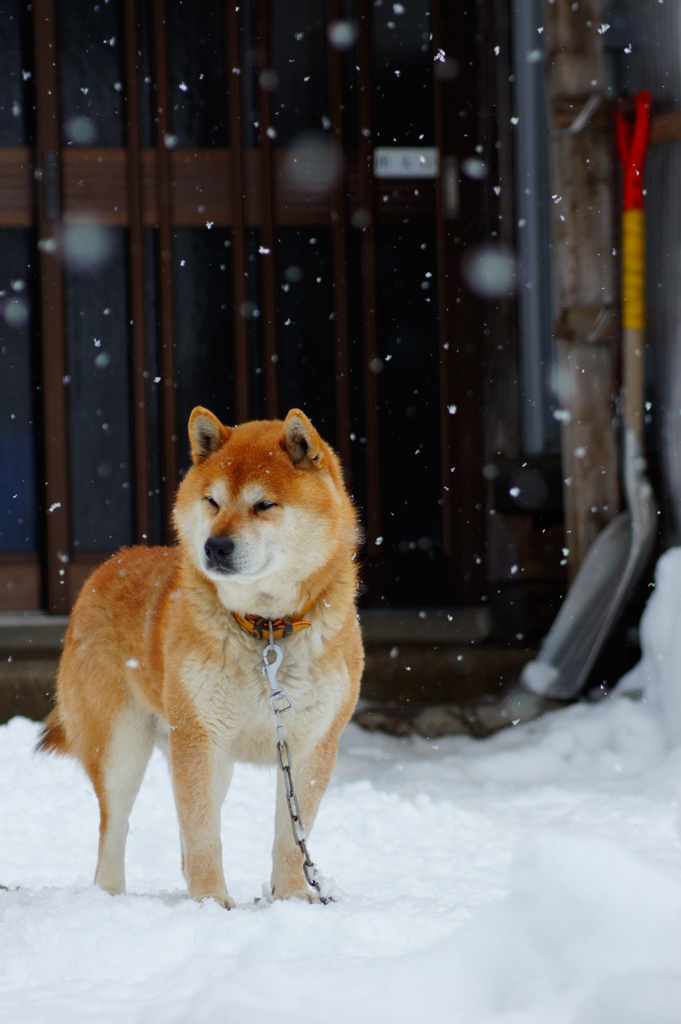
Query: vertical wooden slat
x,y
368,260
166,318
53,343
233,68
140,424
340,248
442,297
462,320
268,285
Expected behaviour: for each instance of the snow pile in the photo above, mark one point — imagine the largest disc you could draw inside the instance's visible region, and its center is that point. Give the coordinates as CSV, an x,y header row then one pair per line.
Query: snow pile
x,y
658,674
532,878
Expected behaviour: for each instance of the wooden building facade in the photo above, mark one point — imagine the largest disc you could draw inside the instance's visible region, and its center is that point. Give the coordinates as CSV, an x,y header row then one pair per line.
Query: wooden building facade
x,y
250,207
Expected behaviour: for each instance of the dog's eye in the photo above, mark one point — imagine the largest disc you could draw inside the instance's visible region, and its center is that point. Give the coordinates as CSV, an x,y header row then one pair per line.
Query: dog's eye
x,y
262,506
212,501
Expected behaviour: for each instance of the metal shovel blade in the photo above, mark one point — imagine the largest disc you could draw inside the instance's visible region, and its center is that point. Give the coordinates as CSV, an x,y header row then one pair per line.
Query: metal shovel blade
x,y
597,596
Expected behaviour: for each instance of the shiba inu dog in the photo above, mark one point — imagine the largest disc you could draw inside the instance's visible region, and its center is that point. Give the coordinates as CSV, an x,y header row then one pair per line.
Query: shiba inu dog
x,y
165,646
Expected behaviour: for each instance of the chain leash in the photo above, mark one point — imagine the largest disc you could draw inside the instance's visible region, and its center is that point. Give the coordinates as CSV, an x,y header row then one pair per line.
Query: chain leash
x,y
280,702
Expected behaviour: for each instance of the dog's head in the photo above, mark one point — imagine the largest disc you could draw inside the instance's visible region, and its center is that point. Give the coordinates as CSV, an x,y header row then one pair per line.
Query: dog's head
x,y
263,508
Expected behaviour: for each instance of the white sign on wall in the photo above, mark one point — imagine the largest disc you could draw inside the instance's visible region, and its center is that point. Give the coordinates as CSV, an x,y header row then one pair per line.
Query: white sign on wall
x,y
406,162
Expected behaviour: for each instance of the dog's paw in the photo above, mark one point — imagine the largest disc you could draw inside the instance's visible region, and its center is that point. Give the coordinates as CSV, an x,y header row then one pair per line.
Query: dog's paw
x,y
224,899
113,890
115,886
306,895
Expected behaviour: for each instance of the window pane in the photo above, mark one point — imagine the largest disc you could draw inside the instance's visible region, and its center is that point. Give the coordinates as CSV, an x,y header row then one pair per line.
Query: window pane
x,y
14,74
144,69
197,72
409,385
18,471
90,73
298,54
403,75
305,326
204,368
99,395
154,384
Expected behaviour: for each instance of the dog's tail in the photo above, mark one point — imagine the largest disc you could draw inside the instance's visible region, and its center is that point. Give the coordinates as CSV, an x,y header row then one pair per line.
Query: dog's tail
x,y
52,739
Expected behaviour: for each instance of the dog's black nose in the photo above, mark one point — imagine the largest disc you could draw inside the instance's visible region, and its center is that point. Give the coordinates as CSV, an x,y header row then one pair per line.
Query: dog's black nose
x,y
219,552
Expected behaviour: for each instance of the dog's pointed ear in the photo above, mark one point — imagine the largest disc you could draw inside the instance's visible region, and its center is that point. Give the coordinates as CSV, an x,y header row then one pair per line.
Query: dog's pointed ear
x,y
206,434
301,440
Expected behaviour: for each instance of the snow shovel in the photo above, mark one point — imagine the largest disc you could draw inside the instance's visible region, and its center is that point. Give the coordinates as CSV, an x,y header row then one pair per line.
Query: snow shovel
x,y
620,553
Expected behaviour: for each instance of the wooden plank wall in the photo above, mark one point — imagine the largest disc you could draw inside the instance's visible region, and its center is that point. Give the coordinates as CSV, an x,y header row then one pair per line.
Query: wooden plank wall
x,y
584,272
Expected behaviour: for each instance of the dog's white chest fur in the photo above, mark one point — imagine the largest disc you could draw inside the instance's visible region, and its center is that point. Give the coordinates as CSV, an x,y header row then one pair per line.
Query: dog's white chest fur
x,y
232,700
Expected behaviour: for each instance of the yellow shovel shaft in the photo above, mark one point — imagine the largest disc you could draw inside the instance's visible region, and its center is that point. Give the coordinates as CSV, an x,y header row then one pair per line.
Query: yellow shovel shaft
x,y
633,270
633,318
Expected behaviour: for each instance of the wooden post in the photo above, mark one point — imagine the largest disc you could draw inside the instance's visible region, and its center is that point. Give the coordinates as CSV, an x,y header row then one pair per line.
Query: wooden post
x,y
580,161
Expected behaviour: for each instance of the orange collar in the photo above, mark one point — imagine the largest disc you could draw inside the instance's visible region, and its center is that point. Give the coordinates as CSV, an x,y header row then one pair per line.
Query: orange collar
x,y
259,626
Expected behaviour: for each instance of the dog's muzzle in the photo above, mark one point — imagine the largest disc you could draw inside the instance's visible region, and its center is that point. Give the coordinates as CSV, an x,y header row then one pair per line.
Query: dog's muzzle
x,y
219,551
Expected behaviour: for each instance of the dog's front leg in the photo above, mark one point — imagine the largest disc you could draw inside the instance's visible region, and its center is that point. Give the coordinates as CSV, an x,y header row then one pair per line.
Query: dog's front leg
x,y
311,776
201,777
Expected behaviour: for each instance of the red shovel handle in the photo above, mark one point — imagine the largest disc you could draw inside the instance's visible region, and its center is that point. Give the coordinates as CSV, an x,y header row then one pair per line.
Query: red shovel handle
x,y
632,146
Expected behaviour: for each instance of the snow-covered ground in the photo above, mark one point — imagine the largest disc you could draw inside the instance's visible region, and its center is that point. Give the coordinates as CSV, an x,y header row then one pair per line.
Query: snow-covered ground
x,y
533,877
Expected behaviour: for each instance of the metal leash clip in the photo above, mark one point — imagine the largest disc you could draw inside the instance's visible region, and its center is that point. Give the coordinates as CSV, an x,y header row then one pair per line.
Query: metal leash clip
x,y
279,699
